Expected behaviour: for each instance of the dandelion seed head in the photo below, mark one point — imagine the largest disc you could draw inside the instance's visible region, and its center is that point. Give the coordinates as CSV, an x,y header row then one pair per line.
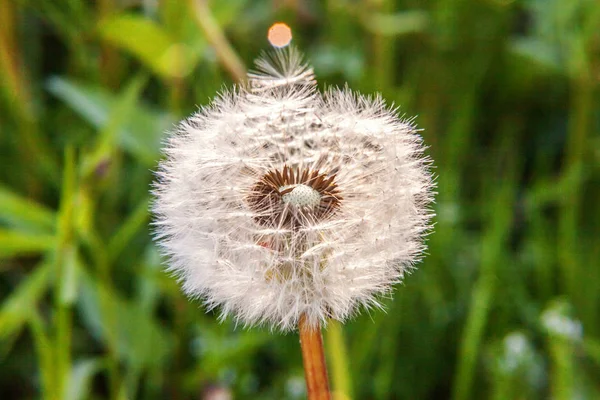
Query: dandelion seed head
x,y
300,195
277,201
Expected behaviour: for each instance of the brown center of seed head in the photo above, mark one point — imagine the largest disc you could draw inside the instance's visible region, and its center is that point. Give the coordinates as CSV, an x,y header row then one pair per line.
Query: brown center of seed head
x,y
291,197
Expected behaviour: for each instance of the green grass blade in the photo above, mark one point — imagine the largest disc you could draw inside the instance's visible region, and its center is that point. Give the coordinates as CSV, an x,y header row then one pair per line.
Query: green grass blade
x,y
16,309
23,213
15,244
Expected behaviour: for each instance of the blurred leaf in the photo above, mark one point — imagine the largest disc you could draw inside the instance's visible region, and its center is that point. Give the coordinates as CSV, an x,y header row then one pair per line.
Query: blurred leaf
x,y
64,282
228,12
81,377
69,276
149,291
91,104
68,202
44,351
21,212
337,352
141,341
592,348
134,222
17,308
538,51
150,43
559,324
398,24
69,19
141,135
563,333
119,114
221,349
551,190
84,219
14,244
516,368
332,59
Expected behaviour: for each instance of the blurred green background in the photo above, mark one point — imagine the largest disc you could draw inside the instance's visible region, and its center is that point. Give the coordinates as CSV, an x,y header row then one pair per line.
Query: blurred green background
x,y
505,306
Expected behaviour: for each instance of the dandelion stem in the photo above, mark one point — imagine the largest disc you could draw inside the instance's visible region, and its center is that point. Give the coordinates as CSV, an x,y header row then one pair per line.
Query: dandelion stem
x,y
313,357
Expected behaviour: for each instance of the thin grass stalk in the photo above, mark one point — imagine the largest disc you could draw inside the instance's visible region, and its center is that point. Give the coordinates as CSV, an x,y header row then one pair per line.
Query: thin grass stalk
x,y
45,357
227,56
338,359
563,372
110,62
313,358
109,316
65,249
17,90
580,118
382,51
485,289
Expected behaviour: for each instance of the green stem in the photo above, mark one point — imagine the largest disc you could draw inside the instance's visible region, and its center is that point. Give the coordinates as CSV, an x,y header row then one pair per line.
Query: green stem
x,y
569,242
64,254
16,87
498,227
217,39
338,360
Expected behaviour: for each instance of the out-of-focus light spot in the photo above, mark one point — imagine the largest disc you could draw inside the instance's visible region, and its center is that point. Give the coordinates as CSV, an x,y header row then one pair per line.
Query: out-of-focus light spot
x,y
280,35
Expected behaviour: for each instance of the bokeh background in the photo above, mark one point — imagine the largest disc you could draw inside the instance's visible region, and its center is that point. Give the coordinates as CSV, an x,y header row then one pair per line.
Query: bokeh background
x,y
505,306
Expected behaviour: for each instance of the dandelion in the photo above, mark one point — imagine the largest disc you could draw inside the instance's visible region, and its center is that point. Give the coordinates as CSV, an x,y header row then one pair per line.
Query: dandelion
x,y
280,205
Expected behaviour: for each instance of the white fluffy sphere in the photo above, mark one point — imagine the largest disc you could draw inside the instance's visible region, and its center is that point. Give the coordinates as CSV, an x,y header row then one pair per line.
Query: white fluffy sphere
x,y
277,201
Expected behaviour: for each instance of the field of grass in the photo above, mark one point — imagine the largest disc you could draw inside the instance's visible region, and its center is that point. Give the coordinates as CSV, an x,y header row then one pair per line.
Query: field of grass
x,y
505,306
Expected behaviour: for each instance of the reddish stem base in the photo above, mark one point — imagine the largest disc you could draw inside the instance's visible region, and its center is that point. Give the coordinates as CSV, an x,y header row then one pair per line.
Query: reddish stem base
x,y
313,358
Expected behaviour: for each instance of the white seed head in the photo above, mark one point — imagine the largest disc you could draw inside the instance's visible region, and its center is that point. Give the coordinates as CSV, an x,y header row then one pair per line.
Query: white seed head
x,y
301,196
277,201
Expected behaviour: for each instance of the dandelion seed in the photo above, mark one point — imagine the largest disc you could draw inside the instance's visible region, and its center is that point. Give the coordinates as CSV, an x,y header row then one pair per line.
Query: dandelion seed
x,y
277,203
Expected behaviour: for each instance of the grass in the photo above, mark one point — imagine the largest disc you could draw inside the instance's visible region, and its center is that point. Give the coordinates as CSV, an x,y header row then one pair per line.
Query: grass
x,y
505,306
